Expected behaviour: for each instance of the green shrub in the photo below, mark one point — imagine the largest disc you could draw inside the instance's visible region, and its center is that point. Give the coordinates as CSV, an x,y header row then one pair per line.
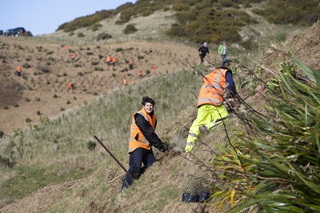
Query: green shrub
x,y
103,36
26,65
130,28
80,35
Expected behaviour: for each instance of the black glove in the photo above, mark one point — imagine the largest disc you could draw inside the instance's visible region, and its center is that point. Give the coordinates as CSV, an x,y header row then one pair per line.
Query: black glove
x,y
163,147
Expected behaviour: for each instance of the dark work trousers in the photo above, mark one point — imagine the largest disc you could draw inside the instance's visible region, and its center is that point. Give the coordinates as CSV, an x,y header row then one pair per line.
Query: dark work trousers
x,y
202,57
137,158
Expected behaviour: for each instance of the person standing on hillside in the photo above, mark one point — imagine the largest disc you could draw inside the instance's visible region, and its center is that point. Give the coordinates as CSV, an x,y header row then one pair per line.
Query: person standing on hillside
x,y
130,65
216,86
114,60
18,71
73,57
142,138
203,50
108,60
223,52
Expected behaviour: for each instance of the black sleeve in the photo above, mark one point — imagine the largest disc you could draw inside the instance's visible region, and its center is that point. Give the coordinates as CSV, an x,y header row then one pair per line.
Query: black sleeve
x,y
147,131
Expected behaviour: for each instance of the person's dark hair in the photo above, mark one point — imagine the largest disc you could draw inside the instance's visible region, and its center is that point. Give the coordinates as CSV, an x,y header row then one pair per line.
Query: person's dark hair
x,y
146,99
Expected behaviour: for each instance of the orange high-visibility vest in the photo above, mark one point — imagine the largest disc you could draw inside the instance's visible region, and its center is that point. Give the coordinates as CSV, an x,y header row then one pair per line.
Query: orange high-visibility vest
x,y
212,89
140,73
70,86
114,59
19,69
132,82
108,58
124,82
130,62
74,55
137,140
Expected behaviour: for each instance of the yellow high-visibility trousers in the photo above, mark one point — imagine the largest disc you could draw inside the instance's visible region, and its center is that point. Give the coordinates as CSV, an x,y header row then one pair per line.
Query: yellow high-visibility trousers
x,y
208,116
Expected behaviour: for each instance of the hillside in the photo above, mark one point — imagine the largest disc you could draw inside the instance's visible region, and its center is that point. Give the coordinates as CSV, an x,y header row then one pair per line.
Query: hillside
x,y
49,159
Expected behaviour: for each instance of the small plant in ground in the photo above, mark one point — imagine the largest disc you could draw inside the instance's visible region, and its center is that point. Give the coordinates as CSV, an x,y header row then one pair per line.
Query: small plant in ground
x,y
26,65
55,96
91,145
16,105
119,49
62,109
68,102
38,112
28,120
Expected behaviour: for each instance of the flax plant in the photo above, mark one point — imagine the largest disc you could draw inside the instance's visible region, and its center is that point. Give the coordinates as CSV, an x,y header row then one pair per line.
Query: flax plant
x,y
275,166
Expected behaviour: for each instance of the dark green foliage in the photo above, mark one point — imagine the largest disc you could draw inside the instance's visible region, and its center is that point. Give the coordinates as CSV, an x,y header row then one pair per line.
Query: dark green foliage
x,y
205,20
80,35
289,12
4,161
130,28
180,7
86,21
95,27
103,36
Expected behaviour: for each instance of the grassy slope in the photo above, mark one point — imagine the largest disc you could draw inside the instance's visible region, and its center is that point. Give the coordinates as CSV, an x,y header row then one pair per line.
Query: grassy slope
x,y
88,181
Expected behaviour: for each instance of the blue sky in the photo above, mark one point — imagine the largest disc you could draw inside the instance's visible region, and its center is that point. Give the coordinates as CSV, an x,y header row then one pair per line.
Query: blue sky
x,y
41,17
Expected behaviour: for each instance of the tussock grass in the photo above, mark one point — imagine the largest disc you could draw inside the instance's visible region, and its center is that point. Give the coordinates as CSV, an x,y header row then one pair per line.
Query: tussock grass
x,y
62,142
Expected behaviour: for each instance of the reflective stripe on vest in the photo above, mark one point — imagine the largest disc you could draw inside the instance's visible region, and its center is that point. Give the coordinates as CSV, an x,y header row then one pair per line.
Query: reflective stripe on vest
x,y
137,139
212,88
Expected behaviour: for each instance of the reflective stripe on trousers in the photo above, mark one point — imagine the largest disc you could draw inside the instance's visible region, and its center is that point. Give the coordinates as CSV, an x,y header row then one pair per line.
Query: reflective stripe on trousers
x,y
207,116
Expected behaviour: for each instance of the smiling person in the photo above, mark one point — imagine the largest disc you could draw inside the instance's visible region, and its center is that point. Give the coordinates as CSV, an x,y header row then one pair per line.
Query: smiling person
x,y
142,138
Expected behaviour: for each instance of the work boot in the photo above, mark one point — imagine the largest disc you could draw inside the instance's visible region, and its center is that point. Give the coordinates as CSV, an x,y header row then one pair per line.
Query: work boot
x,y
204,130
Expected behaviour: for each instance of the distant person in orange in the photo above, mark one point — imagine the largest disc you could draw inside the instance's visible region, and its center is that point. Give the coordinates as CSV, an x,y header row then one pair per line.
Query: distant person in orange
x,y
108,60
18,71
130,65
125,82
70,86
114,60
73,56
132,82
154,67
140,73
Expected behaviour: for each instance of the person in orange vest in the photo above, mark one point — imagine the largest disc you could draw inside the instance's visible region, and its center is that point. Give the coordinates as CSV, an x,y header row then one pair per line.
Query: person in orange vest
x,y
142,138
130,64
125,82
211,104
73,56
70,86
108,60
18,71
140,73
154,67
114,60
132,82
